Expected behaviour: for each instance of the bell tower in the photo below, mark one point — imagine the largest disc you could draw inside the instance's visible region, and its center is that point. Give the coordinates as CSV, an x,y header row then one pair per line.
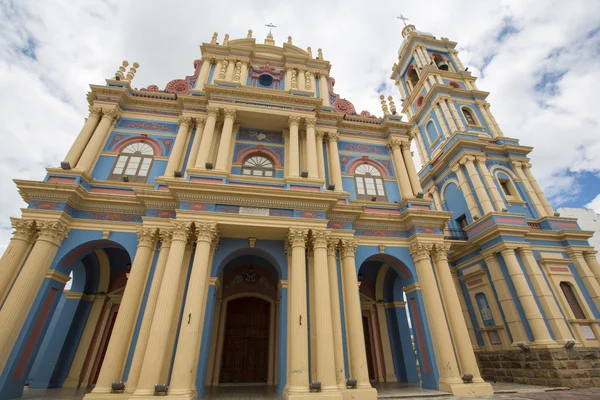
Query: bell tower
x,y
469,166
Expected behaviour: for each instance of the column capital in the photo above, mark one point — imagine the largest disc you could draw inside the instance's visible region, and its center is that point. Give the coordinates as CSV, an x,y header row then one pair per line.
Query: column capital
x,y
24,228
456,167
212,111
573,253
297,237
320,135
393,143
404,145
320,238
420,250
165,236
112,114
200,121
52,231
526,165
348,247
146,236
590,253
481,159
440,251
206,231
310,121
294,120
516,164
333,136
185,120
95,111
332,245
180,230
466,159
230,113
507,252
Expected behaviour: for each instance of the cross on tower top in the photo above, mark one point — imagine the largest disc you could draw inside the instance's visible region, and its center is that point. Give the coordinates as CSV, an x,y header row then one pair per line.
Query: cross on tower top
x,y
403,18
270,25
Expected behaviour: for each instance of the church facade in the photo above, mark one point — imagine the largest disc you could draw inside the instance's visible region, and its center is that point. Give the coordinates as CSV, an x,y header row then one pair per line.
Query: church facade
x,y
246,225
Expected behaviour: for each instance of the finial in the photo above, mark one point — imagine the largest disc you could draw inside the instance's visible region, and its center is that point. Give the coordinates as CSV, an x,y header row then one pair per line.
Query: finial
x,y
226,40
309,51
120,74
289,40
384,106
132,71
392,105
403,18
214,38
319,54
249,36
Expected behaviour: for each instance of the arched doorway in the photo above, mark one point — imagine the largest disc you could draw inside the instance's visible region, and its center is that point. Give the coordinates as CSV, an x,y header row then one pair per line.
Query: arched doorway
x,y
397,340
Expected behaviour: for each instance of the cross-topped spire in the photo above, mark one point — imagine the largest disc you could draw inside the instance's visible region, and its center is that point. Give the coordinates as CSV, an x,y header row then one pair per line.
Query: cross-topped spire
x,y
403,18
270,26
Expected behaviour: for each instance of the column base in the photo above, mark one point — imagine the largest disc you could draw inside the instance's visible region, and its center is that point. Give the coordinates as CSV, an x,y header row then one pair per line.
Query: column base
x,y
182,394
315,395
107,395
467,389
359,394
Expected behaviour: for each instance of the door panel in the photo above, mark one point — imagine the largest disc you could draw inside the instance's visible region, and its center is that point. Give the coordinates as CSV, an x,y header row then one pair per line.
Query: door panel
x,y
246,344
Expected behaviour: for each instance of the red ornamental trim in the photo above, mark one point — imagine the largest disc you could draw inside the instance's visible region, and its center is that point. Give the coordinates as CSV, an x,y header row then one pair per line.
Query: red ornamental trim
x,y
184,86
365,160
47,205
259,150
141,139
474,282
112,216
267,69
481,227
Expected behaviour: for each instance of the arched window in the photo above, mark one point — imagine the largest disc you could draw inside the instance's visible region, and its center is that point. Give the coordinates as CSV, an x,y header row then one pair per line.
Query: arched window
x,y
432,132
468,116
567,290
440,62
413,77
134,162
369,183
258,165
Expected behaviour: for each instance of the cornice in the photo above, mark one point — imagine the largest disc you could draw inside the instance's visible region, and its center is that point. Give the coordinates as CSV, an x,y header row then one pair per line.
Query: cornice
x,y
412,39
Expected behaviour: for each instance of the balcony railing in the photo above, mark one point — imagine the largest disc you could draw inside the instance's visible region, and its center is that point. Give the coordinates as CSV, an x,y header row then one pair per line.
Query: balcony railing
x,y
455,234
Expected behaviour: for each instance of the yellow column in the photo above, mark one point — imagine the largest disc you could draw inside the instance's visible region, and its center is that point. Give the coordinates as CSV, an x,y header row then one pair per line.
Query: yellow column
x,y
160,327
442,343
487,119
183,380
532,312
204,71
445,130
545,297
336,318
320,157
294,153
196,142
15,254
482,195
297,383
207,137
72,380
457,118
401,172
465,310
592,262
486,109
120,338
447,115
532,194
490,184
175,158
506,301
225,143
334,160
144,333
323,324
585,273
311,148
458,326
464,187
84,136
301,79
230,68
18,302
352,310
94,146
388,361
454,56
244,77
312,350
537,189
415,183
324,90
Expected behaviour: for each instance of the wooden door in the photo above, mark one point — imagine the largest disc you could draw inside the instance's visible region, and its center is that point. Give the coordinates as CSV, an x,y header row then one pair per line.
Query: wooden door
x,y
246,344
368,349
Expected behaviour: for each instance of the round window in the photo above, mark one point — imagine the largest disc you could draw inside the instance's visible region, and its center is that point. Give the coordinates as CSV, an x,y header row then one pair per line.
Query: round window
x,y
265,80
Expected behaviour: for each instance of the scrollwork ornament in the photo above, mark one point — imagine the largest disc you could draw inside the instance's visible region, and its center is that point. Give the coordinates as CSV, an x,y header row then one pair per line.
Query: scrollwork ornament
x,y
297,237
332,245
53,232
440,251
146,236
113,115
165,236
420,250
333,137
349,247
393,143
95,111
24,229
183,120
207,231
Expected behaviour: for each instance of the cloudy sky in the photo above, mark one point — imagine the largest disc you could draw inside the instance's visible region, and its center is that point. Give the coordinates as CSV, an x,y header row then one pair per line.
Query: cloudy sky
x,y
540,60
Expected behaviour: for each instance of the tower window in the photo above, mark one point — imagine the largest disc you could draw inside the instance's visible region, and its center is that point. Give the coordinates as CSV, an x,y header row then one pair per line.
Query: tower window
x,y
567,290
134,161
469,117
369,183
257,165
505,188
432,133
413,77
265,80
462,222
440,63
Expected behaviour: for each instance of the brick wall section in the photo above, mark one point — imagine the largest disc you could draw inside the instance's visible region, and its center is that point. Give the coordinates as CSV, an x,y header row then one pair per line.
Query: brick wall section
x,y
576,368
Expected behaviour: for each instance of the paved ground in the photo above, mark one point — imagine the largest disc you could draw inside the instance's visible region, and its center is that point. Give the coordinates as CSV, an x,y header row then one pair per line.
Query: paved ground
x,y
524,392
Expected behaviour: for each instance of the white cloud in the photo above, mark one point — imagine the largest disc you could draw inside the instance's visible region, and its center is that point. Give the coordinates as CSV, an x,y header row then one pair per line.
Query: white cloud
x,y
74,44
594,204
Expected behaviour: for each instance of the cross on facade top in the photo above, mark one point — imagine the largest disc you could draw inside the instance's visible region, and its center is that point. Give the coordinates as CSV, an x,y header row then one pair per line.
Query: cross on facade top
x,y
403,18
270,25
